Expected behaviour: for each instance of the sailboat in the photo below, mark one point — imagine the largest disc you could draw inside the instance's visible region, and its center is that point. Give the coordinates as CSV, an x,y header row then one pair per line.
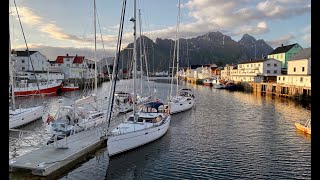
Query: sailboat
x,y
20,116
184,98
123,99
306,128
83,114
141,127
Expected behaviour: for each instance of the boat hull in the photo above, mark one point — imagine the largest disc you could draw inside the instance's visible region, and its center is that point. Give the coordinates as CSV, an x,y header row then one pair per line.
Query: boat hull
x,y
303,128
207,84
24,116
121,143
180,107
66,89
35,91
218,86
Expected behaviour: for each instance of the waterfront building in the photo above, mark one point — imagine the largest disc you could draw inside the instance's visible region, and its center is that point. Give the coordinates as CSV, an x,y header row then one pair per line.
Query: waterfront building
x,y
299,70
260,70
22,62
77,67
226,71
284,53
216,71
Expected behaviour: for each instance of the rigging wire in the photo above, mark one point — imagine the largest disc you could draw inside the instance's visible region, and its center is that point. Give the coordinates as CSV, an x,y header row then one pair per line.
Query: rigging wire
x,y
116,62
24,37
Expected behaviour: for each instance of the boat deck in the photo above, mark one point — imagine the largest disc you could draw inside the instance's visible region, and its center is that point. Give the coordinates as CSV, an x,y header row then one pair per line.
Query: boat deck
x,y
49,159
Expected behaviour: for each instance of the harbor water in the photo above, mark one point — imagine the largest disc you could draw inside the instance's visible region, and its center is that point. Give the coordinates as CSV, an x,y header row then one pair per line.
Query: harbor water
x,y
227,135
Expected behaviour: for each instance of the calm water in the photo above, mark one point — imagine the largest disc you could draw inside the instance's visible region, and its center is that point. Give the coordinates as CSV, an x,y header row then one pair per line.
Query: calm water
x,y
227,135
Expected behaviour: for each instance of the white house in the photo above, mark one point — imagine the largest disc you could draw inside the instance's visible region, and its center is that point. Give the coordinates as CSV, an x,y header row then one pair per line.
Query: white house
x,y
257,70
75,66
22,61
299,70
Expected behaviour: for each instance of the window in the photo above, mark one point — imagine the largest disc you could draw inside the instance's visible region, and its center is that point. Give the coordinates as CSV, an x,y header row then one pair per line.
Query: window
x,y
279,78
275,71
22,60
301,79
248,65
268,65
294,69
283,78
302,69
277,56
251,65
275,65
23,68
67,59
68,65
280,55
259,65
59,64
268,71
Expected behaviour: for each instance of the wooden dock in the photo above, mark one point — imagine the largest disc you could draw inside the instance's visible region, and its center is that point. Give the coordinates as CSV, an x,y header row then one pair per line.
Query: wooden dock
x,y
52,158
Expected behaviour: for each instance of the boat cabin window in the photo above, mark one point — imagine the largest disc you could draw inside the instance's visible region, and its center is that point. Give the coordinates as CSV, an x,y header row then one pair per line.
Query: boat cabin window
x,y
140,119
130,119
150,120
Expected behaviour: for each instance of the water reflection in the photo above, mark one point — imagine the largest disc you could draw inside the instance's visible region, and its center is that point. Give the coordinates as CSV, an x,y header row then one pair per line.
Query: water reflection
x,y
227,135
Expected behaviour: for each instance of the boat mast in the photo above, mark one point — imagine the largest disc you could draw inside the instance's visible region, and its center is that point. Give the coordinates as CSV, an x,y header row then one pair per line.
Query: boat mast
x,y
134,60
178,28
95,49
11,76
146,61
141,65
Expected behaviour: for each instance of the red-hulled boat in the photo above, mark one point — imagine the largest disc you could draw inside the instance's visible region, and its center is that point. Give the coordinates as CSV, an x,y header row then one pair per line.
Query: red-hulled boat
x,y
45,88
69,87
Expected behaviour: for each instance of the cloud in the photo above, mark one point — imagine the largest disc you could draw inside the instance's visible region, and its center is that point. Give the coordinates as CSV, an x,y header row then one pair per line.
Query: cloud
x,y
240,15
285,40
30,18
235,17
306,37
260,28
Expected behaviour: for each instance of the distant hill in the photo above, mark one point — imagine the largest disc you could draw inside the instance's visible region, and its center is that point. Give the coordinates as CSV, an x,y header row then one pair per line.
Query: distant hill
x,y
213,47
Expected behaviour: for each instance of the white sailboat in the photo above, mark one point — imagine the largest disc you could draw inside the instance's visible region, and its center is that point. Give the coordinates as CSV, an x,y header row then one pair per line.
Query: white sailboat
x,y
184,98
20,116
142,127
123,99
85,113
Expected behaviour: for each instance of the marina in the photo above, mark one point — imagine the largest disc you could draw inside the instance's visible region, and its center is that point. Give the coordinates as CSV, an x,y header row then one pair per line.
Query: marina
x,y
206,137
173,98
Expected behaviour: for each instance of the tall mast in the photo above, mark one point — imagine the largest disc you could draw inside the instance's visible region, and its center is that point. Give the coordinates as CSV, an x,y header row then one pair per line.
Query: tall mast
x,y
95,50
11,76
178,28
134,58
141,65
146,61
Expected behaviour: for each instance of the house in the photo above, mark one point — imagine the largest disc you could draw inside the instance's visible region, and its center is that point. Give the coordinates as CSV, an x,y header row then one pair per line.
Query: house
x,y
299,70
22,61
260,70
226,71
75,66
283,53
216,71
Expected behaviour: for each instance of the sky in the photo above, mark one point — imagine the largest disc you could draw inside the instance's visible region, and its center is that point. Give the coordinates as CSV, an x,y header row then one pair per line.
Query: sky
x,y
62,27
